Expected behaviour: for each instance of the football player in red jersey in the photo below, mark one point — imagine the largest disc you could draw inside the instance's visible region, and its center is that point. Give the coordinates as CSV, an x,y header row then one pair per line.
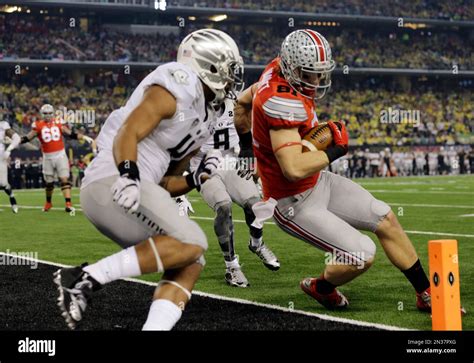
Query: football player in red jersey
x,y
319,207
49,131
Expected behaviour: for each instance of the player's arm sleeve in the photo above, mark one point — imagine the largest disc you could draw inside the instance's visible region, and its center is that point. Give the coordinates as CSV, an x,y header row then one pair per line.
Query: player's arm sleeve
x,y
283,112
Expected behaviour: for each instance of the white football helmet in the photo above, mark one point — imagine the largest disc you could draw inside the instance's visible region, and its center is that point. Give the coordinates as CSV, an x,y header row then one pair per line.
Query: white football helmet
x,y
215,57
47,112
306,63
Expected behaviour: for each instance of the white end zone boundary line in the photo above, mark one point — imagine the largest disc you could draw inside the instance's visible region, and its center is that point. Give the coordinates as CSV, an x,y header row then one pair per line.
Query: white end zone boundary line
x,y
241,301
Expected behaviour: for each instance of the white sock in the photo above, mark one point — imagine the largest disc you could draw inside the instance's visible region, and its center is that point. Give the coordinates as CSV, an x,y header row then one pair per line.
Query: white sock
x,y
163,315
256,242
114,267
234,263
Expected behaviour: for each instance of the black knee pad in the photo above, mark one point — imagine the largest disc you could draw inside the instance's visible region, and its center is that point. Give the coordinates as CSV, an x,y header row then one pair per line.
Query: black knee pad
x,y
66,185
49,187
223,220
248,207
250,217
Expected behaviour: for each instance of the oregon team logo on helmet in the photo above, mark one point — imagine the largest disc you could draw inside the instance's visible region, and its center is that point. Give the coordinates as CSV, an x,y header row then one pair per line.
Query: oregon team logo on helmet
x,y
215,57
47,112
306,63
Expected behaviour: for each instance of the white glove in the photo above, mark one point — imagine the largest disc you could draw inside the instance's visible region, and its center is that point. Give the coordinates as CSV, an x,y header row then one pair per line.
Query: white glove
x,y
6,154
126,193
7,140
184,205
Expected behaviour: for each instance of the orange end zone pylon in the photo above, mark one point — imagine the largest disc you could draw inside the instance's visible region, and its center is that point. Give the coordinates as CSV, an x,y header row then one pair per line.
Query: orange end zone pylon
x,y
444,280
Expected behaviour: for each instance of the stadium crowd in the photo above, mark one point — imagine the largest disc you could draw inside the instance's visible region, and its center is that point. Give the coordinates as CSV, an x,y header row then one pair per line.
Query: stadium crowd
x,y
450,10
101,93
435,116
54,39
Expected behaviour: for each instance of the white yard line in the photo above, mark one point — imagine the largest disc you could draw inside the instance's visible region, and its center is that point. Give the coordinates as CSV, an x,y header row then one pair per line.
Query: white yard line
x,y
200,200
433,205
269,223
466,215
242,301
415,191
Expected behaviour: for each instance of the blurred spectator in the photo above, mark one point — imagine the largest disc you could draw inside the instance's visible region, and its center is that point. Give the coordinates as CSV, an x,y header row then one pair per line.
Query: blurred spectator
x,y
437,9
48,38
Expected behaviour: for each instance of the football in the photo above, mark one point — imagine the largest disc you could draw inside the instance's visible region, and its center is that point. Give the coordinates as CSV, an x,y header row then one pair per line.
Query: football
x,y
318,138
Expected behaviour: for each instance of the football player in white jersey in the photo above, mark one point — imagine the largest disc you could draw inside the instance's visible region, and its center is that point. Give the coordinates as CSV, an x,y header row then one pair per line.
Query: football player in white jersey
x,y
227,186
127,190
12,139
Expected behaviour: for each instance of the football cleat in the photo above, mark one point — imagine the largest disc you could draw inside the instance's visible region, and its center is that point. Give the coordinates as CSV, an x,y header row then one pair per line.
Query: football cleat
x,y
15,208
423,302
235,277
75,288
69,208
332,301
47,206
266,255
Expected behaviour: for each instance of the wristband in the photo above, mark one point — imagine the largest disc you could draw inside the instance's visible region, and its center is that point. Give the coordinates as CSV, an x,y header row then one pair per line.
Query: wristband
x,y
335,152
190,180
246,140
129,169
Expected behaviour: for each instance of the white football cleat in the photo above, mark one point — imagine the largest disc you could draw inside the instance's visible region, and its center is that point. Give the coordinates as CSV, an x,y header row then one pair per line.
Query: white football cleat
x,y
234,275
15,208
266,255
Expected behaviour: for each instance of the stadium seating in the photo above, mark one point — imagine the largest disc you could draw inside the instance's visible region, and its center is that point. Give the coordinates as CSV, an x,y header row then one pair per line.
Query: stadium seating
x,y
26,37
449,10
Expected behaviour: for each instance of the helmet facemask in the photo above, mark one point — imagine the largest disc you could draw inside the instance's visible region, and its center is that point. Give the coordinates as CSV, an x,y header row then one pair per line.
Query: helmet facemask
x,y
230,75
312,83
236,80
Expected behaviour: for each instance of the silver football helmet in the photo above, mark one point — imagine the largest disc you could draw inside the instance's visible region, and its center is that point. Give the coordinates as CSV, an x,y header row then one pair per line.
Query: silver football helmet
x,y
306,63
47,112
215,57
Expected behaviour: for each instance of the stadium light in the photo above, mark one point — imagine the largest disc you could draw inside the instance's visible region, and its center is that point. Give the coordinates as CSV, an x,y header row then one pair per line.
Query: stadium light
x,y
218,18
9,9
160,5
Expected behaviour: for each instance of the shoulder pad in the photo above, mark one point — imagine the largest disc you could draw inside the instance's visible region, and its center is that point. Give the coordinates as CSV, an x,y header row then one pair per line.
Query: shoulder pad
x,y
291,109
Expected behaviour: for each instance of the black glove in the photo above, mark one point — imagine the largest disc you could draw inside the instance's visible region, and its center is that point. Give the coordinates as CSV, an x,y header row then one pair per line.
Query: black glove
x,y
207,167
246,164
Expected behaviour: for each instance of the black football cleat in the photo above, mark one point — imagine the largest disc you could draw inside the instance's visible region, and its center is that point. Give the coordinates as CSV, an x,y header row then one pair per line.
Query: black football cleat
x,y
75,288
